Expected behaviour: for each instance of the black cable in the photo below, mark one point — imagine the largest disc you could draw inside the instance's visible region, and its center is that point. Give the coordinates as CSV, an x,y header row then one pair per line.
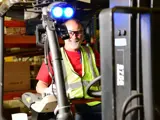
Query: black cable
x,y
46,57
49,70
139,107
126,102
124,107
132,109
47,62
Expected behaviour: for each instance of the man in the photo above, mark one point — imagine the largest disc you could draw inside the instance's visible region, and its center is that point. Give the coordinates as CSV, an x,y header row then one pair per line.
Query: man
x,y
81,68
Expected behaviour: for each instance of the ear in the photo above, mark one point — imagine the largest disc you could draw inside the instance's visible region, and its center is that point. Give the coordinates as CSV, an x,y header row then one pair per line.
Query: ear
x,y
83,36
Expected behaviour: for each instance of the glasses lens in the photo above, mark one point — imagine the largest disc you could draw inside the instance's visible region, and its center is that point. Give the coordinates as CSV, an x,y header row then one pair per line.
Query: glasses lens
x,y
75,32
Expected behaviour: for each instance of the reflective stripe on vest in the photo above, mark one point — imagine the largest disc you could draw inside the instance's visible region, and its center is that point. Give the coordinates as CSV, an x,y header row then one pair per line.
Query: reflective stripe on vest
x,y
90,61
76,85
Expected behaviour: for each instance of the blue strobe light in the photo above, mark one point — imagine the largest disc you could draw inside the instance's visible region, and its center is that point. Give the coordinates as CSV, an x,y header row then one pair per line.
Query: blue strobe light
x,y
60,11
68,12
57,12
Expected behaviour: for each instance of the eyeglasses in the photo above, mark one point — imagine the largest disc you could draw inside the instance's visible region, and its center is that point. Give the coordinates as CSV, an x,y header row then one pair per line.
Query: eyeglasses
x,y
75,32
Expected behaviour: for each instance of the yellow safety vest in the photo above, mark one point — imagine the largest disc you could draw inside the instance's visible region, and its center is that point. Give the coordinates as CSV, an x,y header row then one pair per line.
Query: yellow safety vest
x,y
75,84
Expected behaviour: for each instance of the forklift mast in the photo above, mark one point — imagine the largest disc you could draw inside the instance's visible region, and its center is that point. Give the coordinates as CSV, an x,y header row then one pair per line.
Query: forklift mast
x,y
129,60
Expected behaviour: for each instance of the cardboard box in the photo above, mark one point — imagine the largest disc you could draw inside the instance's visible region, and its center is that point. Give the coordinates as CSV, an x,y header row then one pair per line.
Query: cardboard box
x,y
16,76
14,30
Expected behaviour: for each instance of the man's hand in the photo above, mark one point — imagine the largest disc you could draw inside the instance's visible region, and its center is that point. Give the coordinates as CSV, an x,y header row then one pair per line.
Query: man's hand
x,y
51,90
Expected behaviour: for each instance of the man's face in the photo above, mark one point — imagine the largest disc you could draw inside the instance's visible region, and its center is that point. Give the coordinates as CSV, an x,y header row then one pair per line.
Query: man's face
x,y
76,36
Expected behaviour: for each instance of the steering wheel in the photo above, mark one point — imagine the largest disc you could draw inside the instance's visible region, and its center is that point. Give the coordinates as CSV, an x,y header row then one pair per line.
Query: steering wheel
x,y
93,93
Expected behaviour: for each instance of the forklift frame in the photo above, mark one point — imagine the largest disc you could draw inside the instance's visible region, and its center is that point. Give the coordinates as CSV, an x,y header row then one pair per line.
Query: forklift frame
x,y
108,65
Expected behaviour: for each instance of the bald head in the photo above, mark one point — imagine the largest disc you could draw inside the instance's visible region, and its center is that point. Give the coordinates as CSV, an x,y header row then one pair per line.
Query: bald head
x,y
73,22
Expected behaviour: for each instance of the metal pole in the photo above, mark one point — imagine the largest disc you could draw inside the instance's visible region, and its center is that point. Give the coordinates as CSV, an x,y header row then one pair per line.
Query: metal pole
x,y
63,103
147,66
1,64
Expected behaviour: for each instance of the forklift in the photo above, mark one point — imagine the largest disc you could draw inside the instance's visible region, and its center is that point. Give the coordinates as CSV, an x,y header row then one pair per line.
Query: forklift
x,y
129,60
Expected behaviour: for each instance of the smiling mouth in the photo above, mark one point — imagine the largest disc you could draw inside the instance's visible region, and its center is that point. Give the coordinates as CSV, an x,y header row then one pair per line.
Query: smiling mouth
x,y
74,41
77,41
